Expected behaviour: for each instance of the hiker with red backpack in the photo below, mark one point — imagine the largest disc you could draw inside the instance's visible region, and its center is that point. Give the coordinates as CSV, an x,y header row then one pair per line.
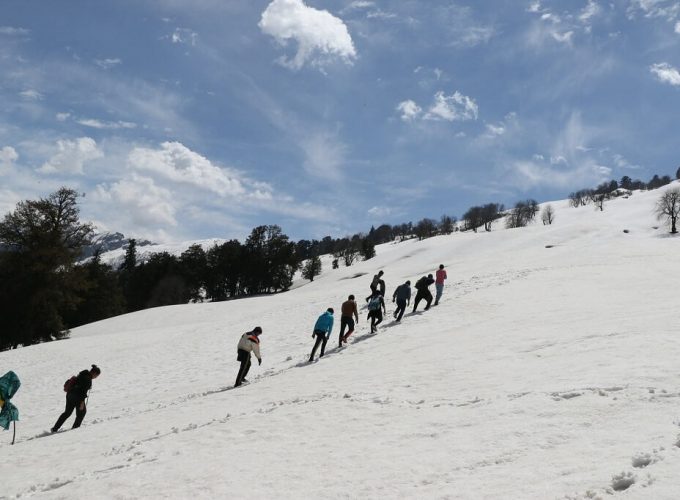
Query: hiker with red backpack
x,y
249,343
376,307
76,389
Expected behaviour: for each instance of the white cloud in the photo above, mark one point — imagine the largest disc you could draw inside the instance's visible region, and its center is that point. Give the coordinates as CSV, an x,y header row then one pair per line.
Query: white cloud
x,y
563,37
107,63
677,27
325,155
177,163
589,11
455,107
31,95
8,156
360,4
62,117
495,130
379,211
667,9
184,36
571,162
319,34
666,73
98,124
139,200
409,110
11,31
71,156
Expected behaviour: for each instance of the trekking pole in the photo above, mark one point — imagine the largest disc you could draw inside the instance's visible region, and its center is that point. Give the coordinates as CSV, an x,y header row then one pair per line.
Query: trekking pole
x,y
15,432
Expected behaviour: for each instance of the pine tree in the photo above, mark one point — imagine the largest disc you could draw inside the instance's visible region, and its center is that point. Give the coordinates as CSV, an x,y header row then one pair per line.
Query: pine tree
x,y
312,268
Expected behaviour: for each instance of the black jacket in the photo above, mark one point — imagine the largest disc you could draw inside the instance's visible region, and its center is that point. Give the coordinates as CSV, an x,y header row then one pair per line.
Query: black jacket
x,y
423,283
82,385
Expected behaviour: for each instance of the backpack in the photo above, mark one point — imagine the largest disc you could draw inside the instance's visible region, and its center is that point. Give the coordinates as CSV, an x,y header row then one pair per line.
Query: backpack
x,y
420,284
374,304
70,383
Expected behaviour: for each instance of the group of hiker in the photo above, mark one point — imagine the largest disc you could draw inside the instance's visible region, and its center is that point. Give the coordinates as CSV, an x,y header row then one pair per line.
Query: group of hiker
x,y
376,307
77,387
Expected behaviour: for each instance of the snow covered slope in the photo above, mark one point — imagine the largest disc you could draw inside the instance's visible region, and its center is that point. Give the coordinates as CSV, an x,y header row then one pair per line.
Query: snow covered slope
x,y
549,370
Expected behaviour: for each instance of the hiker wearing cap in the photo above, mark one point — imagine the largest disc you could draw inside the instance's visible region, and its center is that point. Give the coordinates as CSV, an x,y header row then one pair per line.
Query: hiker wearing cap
x,y
76,392
423,291
439,283
250,342
377,282
402,295
376,307
322,331
349,314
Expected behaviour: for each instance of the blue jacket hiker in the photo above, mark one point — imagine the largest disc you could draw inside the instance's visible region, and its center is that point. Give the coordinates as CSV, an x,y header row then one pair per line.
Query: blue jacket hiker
x,y
322,331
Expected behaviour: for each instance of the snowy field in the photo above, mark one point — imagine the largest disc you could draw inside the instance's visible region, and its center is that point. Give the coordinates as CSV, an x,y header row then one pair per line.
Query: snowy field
x,y
551,369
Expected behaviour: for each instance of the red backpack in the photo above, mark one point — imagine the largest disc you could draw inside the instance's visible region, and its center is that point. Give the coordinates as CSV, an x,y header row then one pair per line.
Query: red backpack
x,y
70,383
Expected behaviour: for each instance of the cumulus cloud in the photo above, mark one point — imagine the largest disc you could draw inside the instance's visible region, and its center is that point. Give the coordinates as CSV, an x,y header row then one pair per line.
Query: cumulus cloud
x,y
677,27
139,200
495,130
107,63
454,107
666,73
177,163
98,124
71,156
62,117
320,36
409,110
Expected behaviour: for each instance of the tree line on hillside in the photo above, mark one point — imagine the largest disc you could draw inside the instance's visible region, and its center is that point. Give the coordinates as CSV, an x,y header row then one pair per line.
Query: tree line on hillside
x,y
47,289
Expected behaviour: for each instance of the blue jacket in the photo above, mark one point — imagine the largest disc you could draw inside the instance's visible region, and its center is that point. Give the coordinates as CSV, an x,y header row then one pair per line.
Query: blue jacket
x,y
9,385
324,323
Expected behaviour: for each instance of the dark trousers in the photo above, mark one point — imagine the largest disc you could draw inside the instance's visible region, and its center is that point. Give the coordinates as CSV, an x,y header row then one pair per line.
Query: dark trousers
x,y
345,322
321,339
424,294
72,403
244,358
376,318
401,307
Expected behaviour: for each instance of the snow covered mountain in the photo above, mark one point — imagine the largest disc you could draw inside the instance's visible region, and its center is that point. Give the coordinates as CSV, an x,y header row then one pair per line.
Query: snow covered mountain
x,y
549,370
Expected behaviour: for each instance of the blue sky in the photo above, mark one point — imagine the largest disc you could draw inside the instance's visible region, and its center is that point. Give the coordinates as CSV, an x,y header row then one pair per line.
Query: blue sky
x,y
183,120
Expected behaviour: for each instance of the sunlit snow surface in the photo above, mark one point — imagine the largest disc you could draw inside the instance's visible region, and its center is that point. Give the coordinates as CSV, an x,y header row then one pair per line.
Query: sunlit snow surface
x,y
544,373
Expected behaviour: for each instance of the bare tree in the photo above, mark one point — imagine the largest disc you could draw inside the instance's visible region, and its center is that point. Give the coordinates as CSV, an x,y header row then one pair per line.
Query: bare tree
x,y
489,213
523,213
447,224
599,200
668,208
548,215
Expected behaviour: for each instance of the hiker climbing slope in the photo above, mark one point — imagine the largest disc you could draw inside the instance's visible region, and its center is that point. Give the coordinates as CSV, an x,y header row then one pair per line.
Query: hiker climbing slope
x,y
249,343
376,307
377,284
322,331
439,283
349,314
423,291
76,392
402,295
